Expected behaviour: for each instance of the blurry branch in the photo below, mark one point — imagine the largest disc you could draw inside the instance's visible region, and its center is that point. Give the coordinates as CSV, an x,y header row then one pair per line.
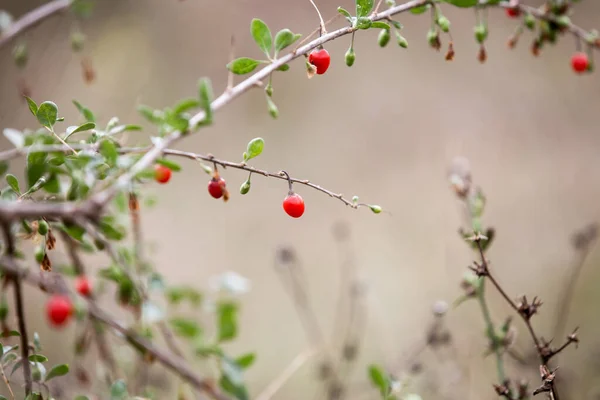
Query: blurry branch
x,y
11,251
285,375
57,285
32,18
525,310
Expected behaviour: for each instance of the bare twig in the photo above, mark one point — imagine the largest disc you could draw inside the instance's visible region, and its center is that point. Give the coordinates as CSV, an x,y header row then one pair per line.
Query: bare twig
x,y
321,22
285,375
33,18
6,382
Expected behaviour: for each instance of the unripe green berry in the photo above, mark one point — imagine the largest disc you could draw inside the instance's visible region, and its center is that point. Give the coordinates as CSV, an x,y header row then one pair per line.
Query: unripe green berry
x,y
42,227
481,33
245,188
272,108
269,90
529,21
375,209
77,41
384,37
402,42
20,55
443,23
40,252
350,56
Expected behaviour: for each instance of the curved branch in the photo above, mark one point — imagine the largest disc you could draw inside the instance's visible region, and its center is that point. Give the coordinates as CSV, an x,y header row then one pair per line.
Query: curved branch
x,y
32,18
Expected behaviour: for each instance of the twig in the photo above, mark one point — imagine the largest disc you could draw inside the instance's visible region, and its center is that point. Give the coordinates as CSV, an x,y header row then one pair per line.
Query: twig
x,y
6,381
32,18
321,22
285,375
175,364
18,289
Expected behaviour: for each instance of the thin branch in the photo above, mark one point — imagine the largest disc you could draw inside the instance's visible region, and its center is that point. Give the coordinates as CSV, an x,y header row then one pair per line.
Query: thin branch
x,y
321,22
285,375
6,381
57,285
32,18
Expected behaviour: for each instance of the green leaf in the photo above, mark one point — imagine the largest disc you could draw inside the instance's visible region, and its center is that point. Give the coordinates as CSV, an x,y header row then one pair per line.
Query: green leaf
x,y
13,182
254,148
246,360
173,166
109,150
109,227
177,294
185,327
285,38
363,7
57,370
262,35
38,358
123,128
462,3
81,397
283,67
36,167
152,115
420,9
186,105
3,167
81,128
87,114
32,106
36,342
47,114
227,314
232,380
2,397
15,137
177,121
205,94
118,390
243,65
345,13
363,23
379,379
380,25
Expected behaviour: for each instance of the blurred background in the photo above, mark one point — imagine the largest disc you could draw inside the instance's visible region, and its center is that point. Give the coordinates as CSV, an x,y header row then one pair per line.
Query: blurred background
x,y
385,130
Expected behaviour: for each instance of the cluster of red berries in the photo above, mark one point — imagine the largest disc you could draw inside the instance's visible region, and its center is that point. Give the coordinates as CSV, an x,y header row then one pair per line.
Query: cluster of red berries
x,y
59,308
580,61
293,204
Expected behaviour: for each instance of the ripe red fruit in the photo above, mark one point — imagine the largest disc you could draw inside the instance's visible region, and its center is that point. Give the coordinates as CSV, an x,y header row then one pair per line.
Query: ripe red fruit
x,y
215,187
580,62
59,309
293,204
320,59
162,174
513,12
83,286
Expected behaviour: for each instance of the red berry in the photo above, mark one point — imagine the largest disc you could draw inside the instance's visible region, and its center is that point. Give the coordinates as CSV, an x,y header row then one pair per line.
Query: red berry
x,y
215,187
513,12
293,204
320,59
580,62
83,286
59,310
162,174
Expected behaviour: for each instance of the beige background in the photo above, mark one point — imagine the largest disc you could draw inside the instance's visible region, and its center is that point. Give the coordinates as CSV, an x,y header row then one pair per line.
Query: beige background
x,y
385,130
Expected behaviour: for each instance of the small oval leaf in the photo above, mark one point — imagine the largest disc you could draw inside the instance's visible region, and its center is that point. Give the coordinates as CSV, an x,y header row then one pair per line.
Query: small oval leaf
x,y
255,147
47,114
243,65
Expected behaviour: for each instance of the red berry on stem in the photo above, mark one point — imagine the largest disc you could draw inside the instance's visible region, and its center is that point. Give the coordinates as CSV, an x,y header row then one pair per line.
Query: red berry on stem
x,y
162,174
513,12
59,309
293,204
83,286
320,59
580,62
215,187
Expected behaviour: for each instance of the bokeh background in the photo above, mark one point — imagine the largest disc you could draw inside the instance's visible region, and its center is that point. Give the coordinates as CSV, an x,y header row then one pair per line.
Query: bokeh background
x,y
386,130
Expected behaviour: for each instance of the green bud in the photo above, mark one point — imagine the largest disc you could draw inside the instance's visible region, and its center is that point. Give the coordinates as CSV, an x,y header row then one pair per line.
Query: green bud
x,y
402,42
355,199
245,188
36,374
384,37
99,245
77,41
42,227
269,90
20,55
529,21
443,23
390,3
272,108
481,33
350,56
40,252
375,209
